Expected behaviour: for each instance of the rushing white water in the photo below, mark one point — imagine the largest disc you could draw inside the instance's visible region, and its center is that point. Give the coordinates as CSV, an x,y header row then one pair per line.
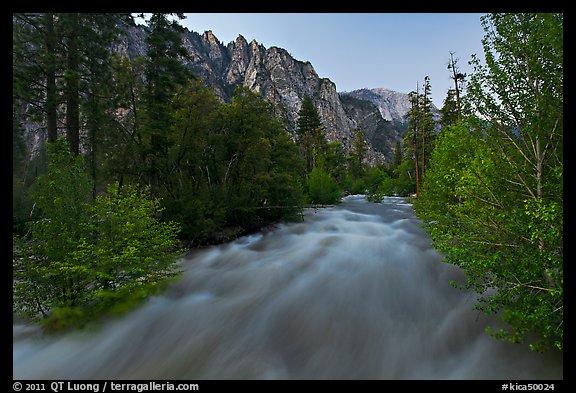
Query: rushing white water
x,y
353,292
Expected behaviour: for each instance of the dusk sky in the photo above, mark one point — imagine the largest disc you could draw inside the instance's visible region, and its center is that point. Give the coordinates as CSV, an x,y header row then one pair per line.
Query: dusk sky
x,y
356,50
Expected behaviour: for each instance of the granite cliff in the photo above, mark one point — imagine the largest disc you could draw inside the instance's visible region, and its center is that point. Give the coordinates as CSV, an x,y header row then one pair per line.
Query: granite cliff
x,y
284,81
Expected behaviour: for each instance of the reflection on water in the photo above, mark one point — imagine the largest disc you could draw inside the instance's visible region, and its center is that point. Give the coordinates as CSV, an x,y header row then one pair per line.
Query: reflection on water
x,y
353,292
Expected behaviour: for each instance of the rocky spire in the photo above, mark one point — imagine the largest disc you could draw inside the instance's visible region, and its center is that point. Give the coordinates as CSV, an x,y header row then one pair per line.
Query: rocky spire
x,y
277,76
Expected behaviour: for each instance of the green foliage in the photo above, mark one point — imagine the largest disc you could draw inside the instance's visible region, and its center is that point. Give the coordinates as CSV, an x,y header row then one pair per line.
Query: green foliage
x,y
391,180
419,138
23,208
83,249
19,149
83,253
129,243
449,110
397,154
481,225
233,166
45,273
63,197
355,186
311,139
164,73
61,67
404,173
322,187
253,154
356,164
335,162
386,187
492,199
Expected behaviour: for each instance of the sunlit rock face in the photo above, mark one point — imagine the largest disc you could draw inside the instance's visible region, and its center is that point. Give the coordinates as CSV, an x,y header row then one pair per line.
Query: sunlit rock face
x,y
392,105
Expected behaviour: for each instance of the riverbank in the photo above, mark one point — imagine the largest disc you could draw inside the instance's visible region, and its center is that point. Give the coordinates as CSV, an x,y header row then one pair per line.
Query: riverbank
x,y
352,292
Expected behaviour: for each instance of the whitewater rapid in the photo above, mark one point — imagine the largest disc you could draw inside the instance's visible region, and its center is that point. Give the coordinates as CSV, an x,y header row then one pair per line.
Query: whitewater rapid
x,y
352,292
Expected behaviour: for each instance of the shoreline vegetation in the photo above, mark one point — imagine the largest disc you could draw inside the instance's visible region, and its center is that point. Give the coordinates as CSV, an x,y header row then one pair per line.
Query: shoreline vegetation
x,y
139,160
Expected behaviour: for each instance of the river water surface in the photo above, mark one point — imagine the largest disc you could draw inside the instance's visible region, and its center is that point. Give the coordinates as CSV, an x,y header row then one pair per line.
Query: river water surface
x,y
352,292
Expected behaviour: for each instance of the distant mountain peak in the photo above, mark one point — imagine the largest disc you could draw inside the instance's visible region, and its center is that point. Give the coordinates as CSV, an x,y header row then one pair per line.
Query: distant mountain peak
x,y
209,37
240,39
393,105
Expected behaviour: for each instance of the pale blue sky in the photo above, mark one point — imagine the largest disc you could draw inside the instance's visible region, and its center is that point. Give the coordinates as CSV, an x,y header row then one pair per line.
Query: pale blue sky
x,y
355,50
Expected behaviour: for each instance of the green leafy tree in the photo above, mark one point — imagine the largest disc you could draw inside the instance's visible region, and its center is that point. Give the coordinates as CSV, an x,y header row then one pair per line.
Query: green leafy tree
x,y
132,252
391,180
322,187
378,184
284,184
192,194
61,81
233,166
99,104
493,198
405,178
46,275
87,258
249,139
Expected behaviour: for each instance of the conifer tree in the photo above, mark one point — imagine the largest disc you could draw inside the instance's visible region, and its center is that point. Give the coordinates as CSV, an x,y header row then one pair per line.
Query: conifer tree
x,y
163,73
449,110
420,135
56,57
358,154
458,79
36,61
309,131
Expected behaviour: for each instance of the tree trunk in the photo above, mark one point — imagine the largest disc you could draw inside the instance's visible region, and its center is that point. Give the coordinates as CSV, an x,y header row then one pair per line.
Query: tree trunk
x,y
51,93
417,170
72,86
455,77
539,192
422,166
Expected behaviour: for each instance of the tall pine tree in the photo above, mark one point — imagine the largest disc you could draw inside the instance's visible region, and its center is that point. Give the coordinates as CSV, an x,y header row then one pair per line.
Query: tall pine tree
x,y
309,131
163,73
420,135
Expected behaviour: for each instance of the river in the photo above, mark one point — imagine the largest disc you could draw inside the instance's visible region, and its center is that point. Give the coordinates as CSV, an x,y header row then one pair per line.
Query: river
x,y
352,292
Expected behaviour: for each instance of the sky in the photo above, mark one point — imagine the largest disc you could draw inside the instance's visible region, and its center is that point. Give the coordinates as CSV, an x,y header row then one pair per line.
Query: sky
x,y
361,50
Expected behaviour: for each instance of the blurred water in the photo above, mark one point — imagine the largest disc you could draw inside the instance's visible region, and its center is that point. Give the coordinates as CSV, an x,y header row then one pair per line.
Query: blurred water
x,y
353,292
